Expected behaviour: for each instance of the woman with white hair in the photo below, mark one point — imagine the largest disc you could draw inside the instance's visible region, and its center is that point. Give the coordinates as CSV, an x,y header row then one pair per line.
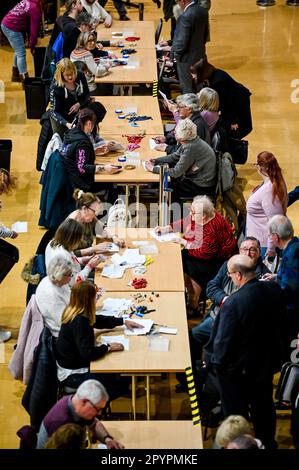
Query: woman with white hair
x,y
208,241
53,293
192,165
186,107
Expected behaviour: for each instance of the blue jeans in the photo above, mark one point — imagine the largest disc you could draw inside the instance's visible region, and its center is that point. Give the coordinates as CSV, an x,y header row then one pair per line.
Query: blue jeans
x,y
16,40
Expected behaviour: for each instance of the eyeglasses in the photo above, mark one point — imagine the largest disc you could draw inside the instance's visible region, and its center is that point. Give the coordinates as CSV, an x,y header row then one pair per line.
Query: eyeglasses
x,y
256,164
98,410
96,213
249,250
229,273
69,274
91,40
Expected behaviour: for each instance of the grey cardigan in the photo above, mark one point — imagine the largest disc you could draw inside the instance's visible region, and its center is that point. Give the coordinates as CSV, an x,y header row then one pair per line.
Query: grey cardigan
x,y
195,160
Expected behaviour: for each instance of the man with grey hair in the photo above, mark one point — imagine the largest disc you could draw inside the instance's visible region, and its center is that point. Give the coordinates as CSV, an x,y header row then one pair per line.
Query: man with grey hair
x,y
83,408
246,344
192,166
282,234
53,293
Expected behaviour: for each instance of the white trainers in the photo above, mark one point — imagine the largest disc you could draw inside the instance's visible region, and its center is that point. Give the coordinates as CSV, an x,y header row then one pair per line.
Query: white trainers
x,y
4,336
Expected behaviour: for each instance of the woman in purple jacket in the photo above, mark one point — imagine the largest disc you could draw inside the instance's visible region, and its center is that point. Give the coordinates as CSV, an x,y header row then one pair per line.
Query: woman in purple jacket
x,y
25,17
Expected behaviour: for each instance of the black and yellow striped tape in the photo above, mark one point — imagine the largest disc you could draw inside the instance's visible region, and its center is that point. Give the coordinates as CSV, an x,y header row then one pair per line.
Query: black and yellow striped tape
x,y
193,398
155,88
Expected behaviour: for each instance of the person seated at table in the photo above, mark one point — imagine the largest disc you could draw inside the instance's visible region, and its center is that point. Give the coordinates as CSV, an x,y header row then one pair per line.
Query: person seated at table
x,y
67,239
88,209
98,13
186,107
207,241
68,93
79,154
53,292
96,67
75,346
192,165
84,408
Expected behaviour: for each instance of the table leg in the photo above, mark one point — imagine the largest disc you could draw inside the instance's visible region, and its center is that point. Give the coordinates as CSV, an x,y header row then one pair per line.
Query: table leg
x,y
137,204
148,393
127,202
134,397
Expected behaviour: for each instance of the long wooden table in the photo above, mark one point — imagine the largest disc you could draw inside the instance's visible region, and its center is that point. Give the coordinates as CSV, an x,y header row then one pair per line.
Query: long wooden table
x,y
156,434
141,68
145,30
164,274
170,311
146,106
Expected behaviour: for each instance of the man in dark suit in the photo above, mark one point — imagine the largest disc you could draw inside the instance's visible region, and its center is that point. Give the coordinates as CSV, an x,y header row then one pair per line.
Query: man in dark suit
x,y
247,348
189,40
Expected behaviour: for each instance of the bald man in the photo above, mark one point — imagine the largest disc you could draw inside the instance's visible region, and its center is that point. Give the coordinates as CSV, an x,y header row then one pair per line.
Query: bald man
x,y
246,343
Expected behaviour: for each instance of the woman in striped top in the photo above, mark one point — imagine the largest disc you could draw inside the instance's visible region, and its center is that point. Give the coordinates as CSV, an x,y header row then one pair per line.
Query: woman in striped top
x,y
208,241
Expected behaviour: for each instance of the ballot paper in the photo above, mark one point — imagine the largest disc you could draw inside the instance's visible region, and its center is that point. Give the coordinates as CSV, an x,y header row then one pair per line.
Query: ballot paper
x,y
129,259
20,227
163,95
166,237
116,339
130,110
152,144
114,307
113,271
167,330
113,247
147,325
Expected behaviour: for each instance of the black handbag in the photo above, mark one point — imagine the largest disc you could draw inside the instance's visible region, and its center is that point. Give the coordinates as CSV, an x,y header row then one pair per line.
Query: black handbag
x,y
238,149
9,255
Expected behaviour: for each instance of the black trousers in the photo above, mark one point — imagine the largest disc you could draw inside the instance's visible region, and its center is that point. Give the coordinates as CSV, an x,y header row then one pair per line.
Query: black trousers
x,y
186,188
243,394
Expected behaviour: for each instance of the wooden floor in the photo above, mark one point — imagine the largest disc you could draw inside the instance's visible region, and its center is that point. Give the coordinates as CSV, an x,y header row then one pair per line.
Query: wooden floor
x,y
258,47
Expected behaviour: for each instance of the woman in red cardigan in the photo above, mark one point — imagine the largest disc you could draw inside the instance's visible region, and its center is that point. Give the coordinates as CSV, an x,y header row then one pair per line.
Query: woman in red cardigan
x,y
208,241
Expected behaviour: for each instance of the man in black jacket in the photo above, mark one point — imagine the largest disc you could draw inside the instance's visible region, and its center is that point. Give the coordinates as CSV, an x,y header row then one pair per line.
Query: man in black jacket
x,y
189,40
247,348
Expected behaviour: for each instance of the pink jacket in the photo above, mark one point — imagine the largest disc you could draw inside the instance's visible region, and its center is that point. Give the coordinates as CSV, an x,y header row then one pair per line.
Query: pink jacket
x,y
32,325
25,13
260,209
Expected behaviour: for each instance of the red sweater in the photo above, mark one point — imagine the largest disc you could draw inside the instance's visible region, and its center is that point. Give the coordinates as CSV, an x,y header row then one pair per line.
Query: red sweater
x,y
212,240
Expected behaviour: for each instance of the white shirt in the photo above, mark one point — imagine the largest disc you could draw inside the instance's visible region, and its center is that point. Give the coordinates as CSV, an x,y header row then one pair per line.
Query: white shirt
x,y
78,273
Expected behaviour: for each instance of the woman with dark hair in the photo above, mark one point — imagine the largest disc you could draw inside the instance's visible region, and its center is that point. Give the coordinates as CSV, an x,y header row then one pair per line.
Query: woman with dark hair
x,y
234,98
75,346
79,154
25,16
67,238
267,199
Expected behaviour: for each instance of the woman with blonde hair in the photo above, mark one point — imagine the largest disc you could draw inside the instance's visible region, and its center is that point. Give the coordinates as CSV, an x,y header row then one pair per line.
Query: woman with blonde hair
x,y
266,200
76,347
208,102
229,429
68,93
85,44
88,208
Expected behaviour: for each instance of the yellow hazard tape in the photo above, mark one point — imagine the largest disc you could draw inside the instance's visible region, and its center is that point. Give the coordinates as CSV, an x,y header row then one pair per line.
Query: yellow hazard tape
x,y
192,396
155,88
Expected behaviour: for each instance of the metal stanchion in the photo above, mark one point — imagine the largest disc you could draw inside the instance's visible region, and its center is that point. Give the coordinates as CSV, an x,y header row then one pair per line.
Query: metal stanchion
x,y
164,196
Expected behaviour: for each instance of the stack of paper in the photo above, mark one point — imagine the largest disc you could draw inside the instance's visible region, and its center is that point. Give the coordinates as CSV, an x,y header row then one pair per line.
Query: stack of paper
x,y
129,259
147,325
20,227
166,237
114,307
116,339
113,271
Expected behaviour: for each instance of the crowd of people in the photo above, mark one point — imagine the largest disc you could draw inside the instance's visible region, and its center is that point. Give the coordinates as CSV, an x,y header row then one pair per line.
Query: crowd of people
x,y
248,330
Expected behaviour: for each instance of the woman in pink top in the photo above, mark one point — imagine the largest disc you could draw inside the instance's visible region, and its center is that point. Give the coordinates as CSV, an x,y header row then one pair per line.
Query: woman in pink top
x,y
268,199
25,17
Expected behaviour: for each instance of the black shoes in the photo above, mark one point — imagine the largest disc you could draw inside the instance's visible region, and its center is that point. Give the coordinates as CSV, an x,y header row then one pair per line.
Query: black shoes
x,y
292,3
265,3
124,18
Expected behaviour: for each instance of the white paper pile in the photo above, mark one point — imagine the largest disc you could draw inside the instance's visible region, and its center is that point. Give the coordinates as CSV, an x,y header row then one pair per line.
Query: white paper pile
x,y
147,324
116,339
166,237
114,307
